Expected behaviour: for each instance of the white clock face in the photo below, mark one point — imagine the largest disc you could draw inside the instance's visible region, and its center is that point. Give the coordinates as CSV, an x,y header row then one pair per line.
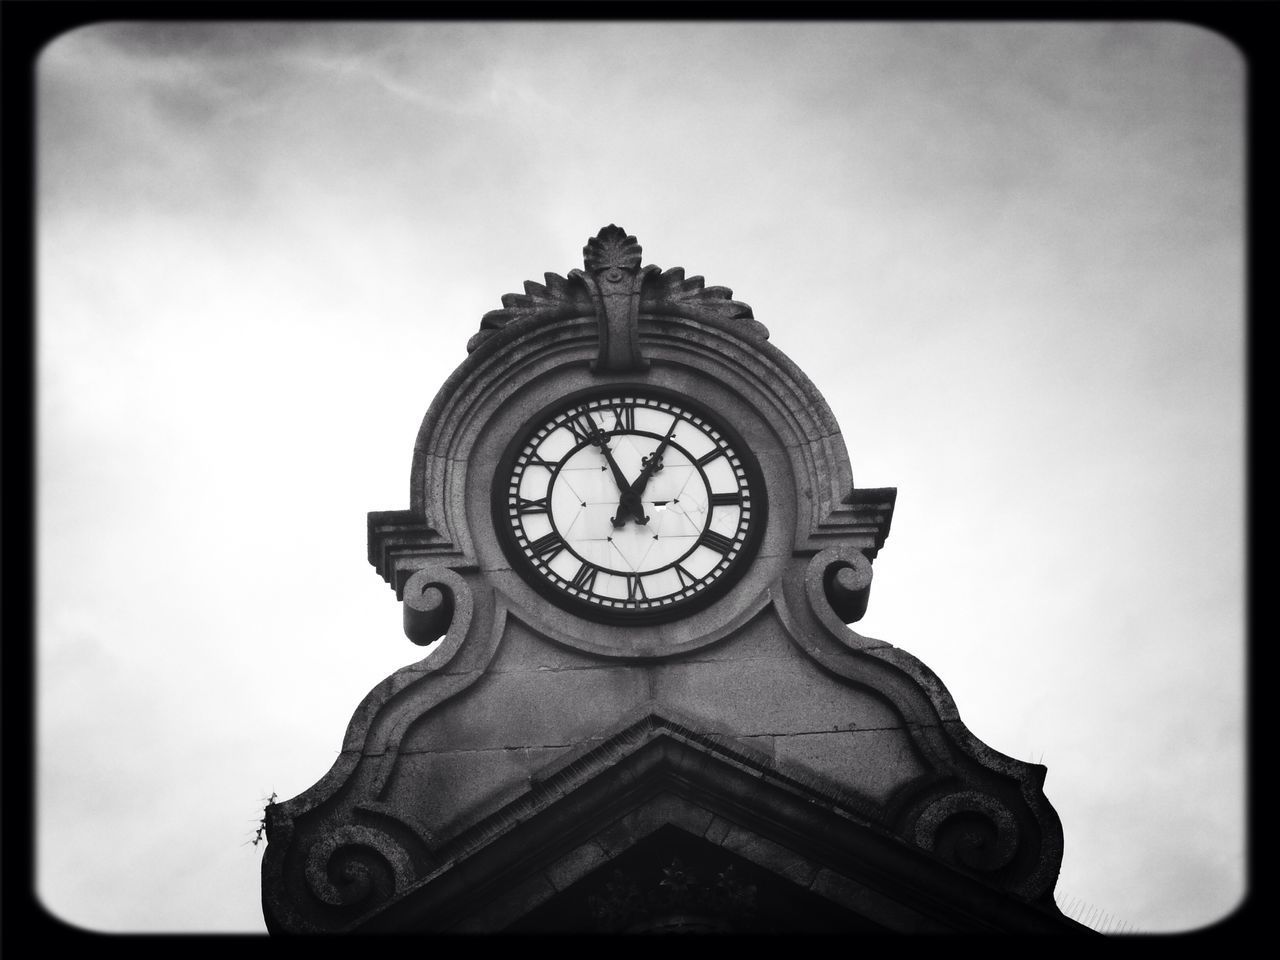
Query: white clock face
x,y
628,503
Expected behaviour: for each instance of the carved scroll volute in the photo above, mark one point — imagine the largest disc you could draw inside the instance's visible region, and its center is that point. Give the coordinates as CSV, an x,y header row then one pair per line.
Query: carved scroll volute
x,y
428,609
614,277
356,866
974,831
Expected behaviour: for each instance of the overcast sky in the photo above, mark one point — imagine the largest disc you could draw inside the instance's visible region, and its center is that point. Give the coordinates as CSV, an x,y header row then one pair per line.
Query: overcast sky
x,y
1009,255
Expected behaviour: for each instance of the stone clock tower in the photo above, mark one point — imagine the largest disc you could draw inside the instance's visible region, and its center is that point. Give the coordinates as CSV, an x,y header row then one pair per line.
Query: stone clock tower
x,y
634,541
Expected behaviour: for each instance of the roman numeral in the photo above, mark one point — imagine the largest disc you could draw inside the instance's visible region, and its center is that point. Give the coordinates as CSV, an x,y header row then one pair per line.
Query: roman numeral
x,y
544,546
536,461
726,499
635,588
585,578
624,417
687,579
706,458
716,541
524,505
587,431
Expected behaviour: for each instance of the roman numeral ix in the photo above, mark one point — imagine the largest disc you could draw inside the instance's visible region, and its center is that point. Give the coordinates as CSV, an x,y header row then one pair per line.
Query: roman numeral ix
x,y
544,546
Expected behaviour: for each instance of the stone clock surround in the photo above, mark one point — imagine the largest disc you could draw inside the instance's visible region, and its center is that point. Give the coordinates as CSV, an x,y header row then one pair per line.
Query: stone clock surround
x,y
530,721
624,638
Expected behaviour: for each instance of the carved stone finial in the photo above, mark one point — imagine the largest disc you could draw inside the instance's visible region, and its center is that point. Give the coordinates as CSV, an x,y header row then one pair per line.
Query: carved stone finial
x,y
616,290
614,277
611,249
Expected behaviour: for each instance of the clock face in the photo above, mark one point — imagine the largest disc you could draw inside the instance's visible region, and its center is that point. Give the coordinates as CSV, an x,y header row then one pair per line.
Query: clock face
x,y
629,505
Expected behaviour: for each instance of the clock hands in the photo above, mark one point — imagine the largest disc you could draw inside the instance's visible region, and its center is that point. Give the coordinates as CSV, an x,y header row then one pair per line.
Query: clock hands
x,y
629,503
679,525
629,498
651,465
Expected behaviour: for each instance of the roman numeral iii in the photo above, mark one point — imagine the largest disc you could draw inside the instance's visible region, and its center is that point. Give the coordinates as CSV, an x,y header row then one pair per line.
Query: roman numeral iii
x,y
716,541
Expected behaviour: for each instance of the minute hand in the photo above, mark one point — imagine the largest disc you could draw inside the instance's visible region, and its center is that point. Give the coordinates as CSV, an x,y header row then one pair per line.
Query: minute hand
x,y
652,465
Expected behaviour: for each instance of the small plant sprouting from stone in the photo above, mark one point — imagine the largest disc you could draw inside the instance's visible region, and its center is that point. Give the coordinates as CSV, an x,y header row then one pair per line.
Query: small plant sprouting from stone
x,y
261,832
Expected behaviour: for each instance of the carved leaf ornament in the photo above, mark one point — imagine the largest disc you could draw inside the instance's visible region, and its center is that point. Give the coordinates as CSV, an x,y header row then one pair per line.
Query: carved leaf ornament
x,y
617,291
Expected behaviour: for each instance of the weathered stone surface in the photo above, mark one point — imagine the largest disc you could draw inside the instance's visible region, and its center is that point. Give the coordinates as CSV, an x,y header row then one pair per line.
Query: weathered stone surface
x,y
498,914
539,708
861,899
457,787
774,856
767,695
877,762
573,865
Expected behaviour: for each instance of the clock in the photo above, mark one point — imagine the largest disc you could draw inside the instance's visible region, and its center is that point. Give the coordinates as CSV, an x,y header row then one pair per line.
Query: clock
x,y
630,505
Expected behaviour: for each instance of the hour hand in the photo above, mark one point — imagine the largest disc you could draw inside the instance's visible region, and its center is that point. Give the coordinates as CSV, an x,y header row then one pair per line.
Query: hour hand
x,y
601,441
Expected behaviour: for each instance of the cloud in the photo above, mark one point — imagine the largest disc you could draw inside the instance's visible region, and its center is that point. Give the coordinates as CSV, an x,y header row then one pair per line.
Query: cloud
x,y
1010,256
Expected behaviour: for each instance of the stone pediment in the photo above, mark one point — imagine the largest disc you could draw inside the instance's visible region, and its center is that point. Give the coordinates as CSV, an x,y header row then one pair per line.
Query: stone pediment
x,y
788,727
660,827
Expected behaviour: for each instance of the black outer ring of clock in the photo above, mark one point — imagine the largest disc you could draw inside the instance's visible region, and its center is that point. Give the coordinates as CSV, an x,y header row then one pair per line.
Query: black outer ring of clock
x,y
584,608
